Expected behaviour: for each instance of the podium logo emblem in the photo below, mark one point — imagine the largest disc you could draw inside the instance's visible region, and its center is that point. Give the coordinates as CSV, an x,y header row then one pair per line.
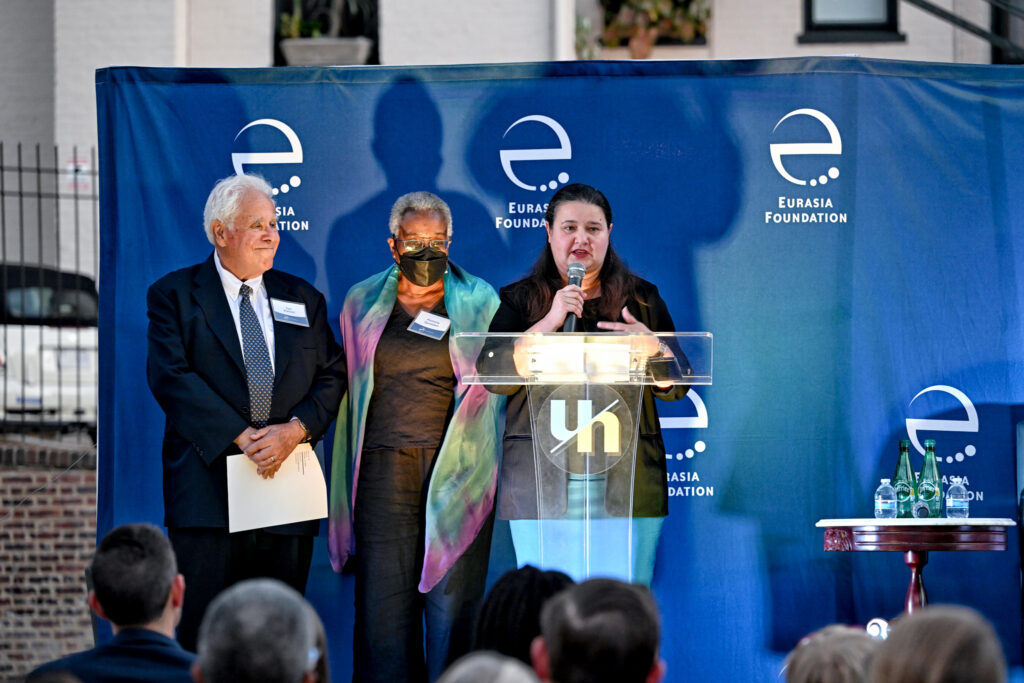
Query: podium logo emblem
x,y
587,429
584,431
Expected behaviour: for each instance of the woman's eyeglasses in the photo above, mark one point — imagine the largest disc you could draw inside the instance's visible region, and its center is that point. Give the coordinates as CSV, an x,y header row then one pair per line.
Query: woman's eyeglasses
x,y
416,244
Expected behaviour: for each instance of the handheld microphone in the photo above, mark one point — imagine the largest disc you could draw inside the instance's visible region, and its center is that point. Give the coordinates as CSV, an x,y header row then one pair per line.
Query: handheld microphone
x,y
576,272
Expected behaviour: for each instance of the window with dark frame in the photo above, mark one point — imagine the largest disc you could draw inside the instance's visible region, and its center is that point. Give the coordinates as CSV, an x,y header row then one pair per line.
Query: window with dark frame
x,y
1008,22
843,21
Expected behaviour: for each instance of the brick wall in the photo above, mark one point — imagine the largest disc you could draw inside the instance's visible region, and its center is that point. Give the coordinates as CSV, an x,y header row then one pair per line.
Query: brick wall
x,y
47,536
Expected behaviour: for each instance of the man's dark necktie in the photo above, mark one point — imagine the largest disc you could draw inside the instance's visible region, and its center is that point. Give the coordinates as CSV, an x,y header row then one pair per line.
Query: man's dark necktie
x,y
258,369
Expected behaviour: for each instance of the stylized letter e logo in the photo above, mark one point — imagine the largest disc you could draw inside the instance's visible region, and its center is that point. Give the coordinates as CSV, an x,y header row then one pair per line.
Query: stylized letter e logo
x,y
834,146
240,159
563,151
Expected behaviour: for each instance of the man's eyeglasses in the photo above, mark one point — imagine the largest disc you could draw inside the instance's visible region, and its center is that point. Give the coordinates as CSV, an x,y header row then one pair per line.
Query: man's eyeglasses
x,y
416,245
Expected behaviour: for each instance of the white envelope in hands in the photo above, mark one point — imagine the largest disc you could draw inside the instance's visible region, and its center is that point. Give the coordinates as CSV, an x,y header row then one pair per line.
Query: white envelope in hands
x,y
297,493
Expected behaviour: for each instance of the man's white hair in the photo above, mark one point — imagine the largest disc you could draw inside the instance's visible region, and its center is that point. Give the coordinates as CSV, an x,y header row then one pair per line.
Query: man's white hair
x,y
225,197
419,201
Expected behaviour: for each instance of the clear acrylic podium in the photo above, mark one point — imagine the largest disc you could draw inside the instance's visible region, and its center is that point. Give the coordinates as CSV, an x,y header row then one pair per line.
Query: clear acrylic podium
x,y
585,393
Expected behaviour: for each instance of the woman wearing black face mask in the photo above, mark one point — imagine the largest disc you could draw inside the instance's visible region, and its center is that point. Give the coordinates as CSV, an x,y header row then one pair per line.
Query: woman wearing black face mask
x,y
416,451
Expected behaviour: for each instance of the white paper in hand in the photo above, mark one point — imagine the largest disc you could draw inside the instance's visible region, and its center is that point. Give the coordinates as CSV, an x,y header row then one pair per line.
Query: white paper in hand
x,y
297,493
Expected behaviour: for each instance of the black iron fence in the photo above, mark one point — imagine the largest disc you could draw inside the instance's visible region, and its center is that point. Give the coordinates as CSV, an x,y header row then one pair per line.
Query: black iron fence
x,y
49,259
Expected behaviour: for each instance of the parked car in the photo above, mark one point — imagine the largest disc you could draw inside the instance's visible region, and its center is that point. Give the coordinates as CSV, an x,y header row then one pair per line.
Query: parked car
x,y
48,349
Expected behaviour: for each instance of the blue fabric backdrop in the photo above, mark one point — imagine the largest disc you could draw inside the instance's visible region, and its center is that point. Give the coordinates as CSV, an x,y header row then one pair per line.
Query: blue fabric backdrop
x,y
850,231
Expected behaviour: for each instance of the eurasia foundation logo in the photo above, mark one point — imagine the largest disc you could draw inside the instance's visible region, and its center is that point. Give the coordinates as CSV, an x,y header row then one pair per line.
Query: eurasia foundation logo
x,y
563,151
688,482
945,454
239,160
803,209
783,149
516,164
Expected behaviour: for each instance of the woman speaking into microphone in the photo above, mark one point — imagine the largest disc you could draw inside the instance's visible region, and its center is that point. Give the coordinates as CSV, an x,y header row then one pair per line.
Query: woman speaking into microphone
x,y
608,298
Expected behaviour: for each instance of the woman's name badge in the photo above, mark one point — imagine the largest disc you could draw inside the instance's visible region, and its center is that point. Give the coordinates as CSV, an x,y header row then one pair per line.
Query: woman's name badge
x,y
291,312
430,325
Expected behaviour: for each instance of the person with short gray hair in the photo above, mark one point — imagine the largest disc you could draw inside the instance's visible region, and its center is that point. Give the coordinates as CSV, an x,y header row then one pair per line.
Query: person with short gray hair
x,y
242,361
419,202
487,666
420,447
225,199
257,631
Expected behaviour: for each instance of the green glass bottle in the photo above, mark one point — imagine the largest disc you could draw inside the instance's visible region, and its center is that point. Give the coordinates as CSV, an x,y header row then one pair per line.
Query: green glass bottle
x,y
929,486
904,483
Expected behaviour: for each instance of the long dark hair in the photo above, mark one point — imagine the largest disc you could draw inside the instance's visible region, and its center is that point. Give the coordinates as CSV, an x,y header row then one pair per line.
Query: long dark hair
x,y
617,281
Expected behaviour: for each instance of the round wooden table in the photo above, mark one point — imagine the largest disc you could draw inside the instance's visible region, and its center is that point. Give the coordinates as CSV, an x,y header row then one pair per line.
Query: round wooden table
x,y
915,538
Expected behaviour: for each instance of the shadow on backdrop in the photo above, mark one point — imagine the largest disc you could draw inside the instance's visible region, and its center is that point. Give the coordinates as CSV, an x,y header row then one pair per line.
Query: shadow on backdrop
x,y
407,143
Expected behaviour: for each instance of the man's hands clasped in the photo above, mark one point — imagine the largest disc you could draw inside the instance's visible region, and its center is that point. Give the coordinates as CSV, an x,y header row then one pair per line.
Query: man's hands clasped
x,y
270,446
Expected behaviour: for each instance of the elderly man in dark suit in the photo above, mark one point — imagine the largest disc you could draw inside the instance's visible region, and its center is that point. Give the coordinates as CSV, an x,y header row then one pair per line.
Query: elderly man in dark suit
x,y
241,360
137,587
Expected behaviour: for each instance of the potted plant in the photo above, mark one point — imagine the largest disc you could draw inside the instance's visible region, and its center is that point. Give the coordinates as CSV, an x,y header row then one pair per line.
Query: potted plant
x,y
642,23
316,37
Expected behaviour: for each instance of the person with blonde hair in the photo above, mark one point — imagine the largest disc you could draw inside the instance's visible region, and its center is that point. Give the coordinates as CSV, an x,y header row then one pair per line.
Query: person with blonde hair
x,y
940,644
834,654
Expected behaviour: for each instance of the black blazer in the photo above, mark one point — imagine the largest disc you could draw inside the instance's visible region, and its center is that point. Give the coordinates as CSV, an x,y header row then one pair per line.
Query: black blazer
x,y
196,372
134,654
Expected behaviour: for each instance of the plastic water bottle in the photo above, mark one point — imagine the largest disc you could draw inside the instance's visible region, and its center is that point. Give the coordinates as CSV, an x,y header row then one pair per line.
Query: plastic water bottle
x,y
957,506
885,501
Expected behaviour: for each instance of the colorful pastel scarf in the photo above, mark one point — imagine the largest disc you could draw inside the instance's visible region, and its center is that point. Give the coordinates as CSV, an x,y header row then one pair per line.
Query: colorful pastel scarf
x,y
460,494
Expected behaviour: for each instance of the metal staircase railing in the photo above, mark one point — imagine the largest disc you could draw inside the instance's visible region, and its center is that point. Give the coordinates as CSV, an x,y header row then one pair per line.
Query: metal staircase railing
x,y
995,39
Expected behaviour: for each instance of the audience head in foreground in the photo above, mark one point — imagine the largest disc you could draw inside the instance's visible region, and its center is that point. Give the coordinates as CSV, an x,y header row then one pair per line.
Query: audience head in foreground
x,y
135,580
486,666
834,654
258,631
940,644
599,631
137,588
509,619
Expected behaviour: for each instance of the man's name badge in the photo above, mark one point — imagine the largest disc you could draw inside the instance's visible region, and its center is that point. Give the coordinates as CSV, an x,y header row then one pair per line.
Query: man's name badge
x,y
430,325
291,312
